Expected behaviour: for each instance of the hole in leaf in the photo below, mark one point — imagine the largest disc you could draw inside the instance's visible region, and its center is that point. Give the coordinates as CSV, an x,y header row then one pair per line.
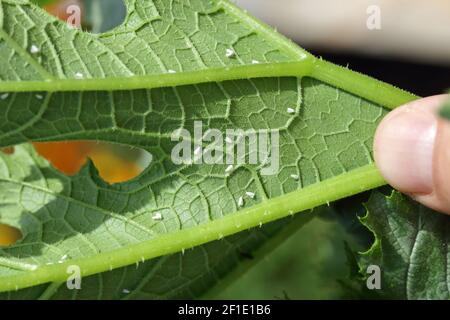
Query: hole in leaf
x,y
115,163
96,16
104,15
7,150
9,235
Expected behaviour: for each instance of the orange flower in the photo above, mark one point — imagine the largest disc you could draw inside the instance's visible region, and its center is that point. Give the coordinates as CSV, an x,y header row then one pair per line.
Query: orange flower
x,y
8,235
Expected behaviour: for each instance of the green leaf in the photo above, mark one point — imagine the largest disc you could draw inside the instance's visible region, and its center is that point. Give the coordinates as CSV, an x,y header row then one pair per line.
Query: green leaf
x,y
43,2
120,86
445,110
411,248
187,274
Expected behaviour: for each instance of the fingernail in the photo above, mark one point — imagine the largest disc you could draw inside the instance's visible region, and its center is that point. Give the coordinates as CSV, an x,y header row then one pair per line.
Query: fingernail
x,y
403,148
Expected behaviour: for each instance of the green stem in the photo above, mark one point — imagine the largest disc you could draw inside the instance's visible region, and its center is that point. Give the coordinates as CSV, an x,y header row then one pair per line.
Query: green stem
x,y
344,185
358,84
50,290
263,70
361,85
353,82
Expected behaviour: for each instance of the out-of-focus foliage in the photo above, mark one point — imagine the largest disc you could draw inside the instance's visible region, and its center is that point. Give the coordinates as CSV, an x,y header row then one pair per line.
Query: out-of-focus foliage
x,y
445,111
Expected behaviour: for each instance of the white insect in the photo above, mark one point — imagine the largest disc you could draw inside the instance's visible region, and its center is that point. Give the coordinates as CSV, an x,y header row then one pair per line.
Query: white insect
x,y
157,216
230,53
171,71
249,194
34,49
4,96
295,176
63,258
229,168
240,202
39,96
255,61
126,291
290,110
79,75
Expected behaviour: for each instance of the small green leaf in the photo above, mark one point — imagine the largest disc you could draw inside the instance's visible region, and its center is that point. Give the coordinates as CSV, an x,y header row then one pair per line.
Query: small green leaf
x,y
411,248
445,110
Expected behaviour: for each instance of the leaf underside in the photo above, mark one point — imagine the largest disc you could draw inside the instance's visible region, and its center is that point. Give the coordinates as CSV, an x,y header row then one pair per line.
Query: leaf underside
x,y
411,248
329,134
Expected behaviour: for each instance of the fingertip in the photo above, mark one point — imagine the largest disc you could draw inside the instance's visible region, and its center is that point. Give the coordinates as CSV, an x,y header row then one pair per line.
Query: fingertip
x,y
410,150
403,149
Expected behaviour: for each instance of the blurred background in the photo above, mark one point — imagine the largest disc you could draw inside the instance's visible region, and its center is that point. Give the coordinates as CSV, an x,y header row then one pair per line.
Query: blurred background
x,y
403,42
